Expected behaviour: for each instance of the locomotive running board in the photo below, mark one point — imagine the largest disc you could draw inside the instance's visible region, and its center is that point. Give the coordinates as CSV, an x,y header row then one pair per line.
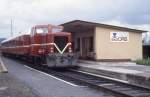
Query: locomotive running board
x,y
61,52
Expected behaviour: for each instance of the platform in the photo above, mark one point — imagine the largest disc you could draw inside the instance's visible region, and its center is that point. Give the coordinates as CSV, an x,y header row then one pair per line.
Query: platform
x,y
13,87
3,68
124,71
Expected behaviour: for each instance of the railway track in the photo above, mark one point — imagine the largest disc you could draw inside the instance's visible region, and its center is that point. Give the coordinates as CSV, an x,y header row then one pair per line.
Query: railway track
x,y
125,90
115,87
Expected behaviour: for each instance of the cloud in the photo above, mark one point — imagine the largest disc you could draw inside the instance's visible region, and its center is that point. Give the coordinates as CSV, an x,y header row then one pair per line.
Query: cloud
x,y
26,13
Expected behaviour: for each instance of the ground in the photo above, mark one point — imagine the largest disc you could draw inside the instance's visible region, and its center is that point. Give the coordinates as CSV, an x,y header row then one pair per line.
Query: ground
x,y
47,86
12,87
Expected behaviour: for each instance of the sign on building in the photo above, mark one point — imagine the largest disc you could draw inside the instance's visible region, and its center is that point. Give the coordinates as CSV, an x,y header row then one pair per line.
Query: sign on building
x,y
119,36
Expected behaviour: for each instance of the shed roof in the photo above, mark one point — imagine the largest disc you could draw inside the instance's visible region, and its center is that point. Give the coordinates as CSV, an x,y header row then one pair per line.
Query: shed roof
x,y
93,24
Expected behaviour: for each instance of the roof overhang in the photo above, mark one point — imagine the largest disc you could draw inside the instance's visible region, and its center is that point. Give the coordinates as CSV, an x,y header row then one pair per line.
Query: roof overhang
x,y
80,23
146,44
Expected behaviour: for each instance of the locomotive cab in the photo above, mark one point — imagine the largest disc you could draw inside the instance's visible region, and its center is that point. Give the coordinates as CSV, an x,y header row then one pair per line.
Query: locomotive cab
x,y
52,46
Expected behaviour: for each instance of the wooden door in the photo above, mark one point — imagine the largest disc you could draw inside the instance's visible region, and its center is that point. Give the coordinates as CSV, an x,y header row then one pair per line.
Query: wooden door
x,y
85,47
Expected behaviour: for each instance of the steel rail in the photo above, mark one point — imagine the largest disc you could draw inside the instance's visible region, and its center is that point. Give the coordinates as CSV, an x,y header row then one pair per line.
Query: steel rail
x,y
123,89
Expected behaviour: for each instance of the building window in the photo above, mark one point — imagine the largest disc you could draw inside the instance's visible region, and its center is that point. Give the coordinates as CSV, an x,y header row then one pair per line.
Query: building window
x,y
78,45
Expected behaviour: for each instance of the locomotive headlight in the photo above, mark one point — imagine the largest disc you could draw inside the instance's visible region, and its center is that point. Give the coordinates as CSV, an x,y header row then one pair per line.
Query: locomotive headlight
x,y
70,50
52,50
41,51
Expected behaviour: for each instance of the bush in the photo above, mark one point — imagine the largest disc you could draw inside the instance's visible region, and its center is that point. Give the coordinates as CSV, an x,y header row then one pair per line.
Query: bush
x,y
143,62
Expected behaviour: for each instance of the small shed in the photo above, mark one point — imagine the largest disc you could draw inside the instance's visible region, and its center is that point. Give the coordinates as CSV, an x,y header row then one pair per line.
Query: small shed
x,y
102,42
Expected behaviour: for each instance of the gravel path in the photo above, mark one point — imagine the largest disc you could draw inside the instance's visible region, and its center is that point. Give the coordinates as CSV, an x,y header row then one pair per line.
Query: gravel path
x,y
12,87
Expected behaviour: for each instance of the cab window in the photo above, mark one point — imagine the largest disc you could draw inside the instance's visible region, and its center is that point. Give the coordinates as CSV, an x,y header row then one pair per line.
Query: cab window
x,y
41,30
56,29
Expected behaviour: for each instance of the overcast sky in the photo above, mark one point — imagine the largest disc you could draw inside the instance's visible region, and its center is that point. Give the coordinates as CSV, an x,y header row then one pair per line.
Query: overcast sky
x,y
26,13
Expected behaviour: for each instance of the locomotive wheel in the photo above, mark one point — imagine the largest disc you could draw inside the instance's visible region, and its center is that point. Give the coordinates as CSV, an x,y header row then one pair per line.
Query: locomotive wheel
x,y
34,60
37,60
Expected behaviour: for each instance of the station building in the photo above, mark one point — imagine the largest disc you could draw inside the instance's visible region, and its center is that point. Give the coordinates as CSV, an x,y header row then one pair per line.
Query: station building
x,y
103,42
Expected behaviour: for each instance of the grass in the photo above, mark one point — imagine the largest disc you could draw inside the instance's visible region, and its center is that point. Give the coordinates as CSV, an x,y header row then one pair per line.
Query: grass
x,y
143,61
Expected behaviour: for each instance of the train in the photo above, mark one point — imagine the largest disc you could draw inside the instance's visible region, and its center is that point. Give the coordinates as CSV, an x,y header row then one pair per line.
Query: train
x,y
46,45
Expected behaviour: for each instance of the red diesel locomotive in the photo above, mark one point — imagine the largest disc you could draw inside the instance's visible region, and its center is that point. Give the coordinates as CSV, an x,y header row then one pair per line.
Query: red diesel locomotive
x,y
46,44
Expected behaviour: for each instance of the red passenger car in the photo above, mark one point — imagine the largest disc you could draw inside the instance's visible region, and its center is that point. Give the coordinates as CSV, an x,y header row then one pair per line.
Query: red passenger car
x,y
46,44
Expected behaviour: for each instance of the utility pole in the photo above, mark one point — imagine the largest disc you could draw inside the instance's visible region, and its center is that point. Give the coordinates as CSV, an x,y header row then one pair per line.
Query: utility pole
x,y
11,27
